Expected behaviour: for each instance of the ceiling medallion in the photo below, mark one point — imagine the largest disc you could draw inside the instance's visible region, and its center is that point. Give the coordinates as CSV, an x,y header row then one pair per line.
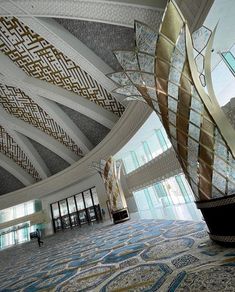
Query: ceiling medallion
x,y
170,70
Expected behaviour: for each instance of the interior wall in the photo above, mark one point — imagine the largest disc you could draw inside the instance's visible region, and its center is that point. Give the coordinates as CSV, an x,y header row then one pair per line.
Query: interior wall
x,y
94,180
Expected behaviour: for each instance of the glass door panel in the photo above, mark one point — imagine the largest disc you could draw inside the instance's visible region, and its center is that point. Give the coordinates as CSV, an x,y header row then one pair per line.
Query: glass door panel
x,y
91,212
95,196
72,205
65,222
80,202
58,224
82,216
87,198
55,210
63,207
74,219
22,235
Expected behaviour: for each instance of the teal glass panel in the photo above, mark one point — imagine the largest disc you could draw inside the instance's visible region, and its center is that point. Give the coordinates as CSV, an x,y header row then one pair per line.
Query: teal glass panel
x,y
135,160
146,193
182,188
229,60
141,200
37,205
162,194
147,151
140,155
163,140
128,163
154,145
155,202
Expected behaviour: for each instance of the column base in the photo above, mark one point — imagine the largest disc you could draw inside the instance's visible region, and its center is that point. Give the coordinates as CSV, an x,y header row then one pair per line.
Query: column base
x,y
120,216
219,216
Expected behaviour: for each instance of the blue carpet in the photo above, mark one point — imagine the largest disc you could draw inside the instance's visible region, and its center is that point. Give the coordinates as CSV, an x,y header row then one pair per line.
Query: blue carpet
x,y
138,255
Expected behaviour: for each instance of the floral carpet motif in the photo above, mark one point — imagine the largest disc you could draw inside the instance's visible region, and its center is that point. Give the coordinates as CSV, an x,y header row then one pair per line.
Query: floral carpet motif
x,y
138,255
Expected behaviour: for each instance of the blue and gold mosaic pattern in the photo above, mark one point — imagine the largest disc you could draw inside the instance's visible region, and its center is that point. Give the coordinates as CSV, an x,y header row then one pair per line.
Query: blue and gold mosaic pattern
x,y
138,255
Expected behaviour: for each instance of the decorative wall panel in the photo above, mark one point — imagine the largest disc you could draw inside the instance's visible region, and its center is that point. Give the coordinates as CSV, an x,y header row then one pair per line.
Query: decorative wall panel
x,y
40,59
17,103
10,148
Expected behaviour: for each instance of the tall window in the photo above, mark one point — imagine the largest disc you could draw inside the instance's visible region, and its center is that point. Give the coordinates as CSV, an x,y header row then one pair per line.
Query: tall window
x,y
150,141
171,198
20,232
18,211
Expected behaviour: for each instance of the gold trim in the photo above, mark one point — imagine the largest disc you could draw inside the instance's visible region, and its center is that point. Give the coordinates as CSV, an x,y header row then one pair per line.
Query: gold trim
x,y
225,128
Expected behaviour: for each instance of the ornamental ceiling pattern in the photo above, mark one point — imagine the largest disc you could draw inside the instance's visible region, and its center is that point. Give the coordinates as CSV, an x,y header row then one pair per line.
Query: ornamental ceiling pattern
x,y
40,59
10,148
18,104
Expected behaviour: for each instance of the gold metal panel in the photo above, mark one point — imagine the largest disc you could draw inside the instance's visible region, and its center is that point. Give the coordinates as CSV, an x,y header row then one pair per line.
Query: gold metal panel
x,y
172,24
205,169
205,187
163,69
143,91
162,86
185,84
184,101
164,49
184,104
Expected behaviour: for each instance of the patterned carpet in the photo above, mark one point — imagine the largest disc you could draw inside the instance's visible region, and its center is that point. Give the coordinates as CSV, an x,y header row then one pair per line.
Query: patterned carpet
x,y
138,255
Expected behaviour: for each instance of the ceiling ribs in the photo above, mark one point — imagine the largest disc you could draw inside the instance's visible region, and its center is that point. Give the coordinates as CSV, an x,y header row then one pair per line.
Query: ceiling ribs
x,y
14,76
12,167
48,57
39,136
121,13
27,147
51,108
11,149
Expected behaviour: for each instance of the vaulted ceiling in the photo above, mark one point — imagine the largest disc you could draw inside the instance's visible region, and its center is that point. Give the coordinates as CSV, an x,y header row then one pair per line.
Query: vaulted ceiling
x,y
56,103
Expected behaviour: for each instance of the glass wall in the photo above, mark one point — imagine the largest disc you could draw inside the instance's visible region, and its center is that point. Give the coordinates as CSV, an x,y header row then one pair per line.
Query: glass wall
x,y
169,199
18,233
149,142
229,59
18,211
76,210
223,77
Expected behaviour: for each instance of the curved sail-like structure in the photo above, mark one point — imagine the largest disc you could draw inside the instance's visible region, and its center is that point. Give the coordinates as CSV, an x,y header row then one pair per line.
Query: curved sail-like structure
x,y
163,72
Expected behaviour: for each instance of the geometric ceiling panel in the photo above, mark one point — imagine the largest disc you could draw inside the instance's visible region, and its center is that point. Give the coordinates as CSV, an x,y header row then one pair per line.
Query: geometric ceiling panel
x,y
54,162
101,38
10,148
8,183
40,59
93,130
17,103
